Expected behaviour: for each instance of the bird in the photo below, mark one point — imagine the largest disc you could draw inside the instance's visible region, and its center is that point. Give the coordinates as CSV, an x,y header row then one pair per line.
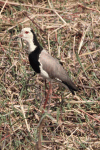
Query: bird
x,y
43,63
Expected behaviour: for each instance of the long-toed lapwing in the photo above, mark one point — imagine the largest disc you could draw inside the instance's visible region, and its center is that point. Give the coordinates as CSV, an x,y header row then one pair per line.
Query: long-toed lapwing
x,y
43,63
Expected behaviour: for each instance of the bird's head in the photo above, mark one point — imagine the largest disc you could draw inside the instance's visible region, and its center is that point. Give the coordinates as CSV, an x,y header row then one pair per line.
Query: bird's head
x,y
26,34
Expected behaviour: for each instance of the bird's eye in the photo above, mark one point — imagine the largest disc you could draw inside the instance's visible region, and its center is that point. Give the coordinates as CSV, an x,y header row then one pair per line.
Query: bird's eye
x,y
26,32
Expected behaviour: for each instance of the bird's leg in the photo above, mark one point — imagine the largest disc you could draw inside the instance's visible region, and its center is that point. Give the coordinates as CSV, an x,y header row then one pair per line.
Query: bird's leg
x,y
45,88
50,95
47,97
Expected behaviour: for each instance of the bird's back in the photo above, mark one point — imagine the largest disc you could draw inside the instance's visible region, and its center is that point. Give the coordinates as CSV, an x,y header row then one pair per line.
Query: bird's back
x,y
56,71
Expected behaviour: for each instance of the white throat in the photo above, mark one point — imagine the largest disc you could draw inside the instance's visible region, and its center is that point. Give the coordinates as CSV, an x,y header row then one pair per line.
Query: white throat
x,y
32,47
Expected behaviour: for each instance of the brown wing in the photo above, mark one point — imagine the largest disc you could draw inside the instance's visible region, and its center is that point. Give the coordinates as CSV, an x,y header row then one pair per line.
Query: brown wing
x,y
55,70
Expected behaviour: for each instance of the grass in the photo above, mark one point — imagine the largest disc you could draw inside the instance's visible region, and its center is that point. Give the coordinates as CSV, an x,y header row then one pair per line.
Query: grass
x,y
70,31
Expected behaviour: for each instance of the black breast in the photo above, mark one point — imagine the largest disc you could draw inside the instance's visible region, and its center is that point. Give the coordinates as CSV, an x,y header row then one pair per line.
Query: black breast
x,y
34,55
34,59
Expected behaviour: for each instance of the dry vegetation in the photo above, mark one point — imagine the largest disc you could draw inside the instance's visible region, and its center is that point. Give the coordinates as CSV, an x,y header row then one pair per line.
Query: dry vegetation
x,y
70,31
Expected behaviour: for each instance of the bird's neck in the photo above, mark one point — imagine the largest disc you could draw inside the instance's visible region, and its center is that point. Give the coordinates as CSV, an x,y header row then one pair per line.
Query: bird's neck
x,y
32,47
34,44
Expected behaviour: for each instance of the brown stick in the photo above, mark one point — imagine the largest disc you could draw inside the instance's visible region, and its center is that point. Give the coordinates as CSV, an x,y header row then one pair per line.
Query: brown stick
x,y
89,115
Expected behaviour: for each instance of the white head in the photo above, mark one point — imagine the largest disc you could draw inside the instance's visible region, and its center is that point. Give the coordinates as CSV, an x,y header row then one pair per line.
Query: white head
x,y
26,34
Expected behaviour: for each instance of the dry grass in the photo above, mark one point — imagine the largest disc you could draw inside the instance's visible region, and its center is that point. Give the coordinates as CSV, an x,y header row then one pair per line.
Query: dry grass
x,y
70,30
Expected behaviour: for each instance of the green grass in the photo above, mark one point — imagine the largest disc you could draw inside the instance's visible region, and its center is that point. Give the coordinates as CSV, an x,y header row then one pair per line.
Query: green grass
x,y
73,122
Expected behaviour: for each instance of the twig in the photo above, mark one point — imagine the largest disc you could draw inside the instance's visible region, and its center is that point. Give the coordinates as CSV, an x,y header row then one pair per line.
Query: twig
x,y
33,6
89,115
25,13
23,112
82,6
2,47
82,39
90,53
56,12
3,8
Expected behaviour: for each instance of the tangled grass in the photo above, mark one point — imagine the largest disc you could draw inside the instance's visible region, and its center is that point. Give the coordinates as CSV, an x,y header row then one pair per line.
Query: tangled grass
x,y
70,31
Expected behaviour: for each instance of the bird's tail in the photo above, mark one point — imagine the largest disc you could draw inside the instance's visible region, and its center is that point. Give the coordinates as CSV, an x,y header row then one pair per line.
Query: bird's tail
x,y
72,87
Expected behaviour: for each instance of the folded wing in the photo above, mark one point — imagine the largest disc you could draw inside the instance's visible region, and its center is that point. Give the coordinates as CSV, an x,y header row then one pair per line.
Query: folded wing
x,y
56,71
